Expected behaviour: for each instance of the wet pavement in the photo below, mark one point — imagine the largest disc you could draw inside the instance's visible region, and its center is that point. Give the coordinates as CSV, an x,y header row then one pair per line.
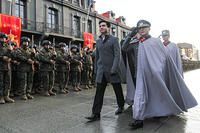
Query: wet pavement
x,y
65,114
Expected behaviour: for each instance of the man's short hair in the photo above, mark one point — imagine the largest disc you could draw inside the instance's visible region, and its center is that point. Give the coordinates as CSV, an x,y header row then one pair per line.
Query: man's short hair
x,y
103,21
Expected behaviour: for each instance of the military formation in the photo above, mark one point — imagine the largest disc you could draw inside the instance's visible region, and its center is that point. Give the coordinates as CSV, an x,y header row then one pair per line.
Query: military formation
x,y
27,70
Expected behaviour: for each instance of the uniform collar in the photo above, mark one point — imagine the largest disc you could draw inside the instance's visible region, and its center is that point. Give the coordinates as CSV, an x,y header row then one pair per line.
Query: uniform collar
x,y
144,38
166,43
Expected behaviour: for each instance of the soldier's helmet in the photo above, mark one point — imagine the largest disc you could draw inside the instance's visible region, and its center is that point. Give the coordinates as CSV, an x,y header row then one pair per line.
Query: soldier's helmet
x,y
74,47
62,44
46,42
86,48
143,24
24,39
51,47
13,44
3,35
90,51
165,33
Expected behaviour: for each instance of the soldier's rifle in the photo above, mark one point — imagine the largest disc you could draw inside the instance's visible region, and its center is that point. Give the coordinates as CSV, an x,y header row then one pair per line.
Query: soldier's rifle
x,y
81,55
9,47
32,41
54,50
69,48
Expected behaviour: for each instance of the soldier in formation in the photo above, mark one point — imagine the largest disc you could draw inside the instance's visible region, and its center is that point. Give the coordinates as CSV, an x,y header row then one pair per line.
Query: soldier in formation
x,y
30,70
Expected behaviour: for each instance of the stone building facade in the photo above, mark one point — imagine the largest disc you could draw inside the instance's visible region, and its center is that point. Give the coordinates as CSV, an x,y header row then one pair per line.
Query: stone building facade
x,y
59,20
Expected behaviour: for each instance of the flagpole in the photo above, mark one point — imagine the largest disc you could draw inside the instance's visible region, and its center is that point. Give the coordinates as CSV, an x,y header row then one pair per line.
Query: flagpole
x,y
87,17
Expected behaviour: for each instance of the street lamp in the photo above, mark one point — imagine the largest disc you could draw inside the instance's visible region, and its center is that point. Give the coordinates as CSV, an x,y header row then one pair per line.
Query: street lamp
x,y
10,10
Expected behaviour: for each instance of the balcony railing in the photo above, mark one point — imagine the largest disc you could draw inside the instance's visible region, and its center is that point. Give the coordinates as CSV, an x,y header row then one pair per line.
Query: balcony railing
x,y
41,27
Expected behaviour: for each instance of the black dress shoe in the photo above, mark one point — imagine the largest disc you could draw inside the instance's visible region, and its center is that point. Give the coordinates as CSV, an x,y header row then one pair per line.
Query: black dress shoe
x,y
93,117
136,124
119,110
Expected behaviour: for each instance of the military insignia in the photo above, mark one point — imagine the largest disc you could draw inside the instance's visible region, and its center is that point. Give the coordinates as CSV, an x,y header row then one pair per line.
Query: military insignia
x,y
141,24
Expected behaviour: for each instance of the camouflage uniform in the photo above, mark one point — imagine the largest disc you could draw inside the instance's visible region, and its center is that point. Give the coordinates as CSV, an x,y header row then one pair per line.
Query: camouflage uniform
x,y
63,68
87,67
5,72
36,77
47,67
76,67
14,79
25,69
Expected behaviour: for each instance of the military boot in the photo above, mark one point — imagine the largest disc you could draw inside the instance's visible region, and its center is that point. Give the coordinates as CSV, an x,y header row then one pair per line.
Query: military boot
x,y
24,97
75,89
86,87
52,93
46,93
79,88
2,101
66,90
62,91
11,94
8,99
90,86
29,96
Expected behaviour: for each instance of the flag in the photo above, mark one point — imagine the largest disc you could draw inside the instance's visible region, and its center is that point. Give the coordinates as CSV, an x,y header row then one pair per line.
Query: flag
x,y
12,23
91,4
88,40
105,14
117,19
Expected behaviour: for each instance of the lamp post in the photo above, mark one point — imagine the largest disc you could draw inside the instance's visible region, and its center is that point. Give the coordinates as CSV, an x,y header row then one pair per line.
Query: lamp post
x,y
10,10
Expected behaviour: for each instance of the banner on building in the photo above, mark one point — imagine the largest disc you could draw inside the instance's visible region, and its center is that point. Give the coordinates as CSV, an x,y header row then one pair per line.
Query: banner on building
x,y
88,40
11,25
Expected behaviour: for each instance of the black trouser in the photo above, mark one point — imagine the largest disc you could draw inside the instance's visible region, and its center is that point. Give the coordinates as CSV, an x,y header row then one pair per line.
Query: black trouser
x,y
98,100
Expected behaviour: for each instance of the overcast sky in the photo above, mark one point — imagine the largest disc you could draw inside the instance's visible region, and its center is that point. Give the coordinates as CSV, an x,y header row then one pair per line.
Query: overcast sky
x,y
181,17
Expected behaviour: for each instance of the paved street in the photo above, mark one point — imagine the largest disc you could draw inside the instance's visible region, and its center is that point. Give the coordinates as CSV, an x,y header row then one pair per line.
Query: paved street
x,y
65,114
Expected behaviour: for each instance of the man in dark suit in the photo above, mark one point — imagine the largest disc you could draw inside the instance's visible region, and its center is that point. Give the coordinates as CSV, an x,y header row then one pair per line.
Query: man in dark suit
x,y
107,62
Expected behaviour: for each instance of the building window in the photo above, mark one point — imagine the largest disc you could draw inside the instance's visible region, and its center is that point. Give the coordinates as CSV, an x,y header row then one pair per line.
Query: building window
x,y
83,3
0,6
76,2
52,18
124,34
83,25
88,3
20,10
113,31
89,26
76,26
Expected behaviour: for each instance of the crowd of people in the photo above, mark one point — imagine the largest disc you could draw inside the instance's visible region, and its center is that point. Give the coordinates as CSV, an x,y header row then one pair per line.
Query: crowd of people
x,y
27,70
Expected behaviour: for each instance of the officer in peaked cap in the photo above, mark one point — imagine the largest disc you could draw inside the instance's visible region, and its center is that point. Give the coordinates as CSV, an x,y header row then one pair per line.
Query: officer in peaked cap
x,y
165,33
143,24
